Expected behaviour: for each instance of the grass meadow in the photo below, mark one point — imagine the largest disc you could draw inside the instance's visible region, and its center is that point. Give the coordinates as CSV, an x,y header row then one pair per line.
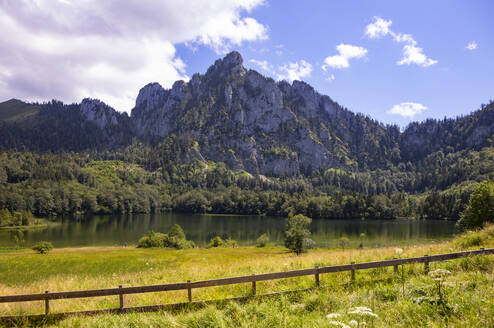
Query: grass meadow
x,y
408,298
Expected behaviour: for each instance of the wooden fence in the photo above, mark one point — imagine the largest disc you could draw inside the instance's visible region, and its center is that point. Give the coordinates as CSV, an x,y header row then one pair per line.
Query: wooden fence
x,y
189,285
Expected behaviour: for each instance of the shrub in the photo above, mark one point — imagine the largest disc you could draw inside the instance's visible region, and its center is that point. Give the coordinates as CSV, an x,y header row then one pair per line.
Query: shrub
x,y
230,243
153,239
218,242
178,243
471,238
42,247
175,238
263,240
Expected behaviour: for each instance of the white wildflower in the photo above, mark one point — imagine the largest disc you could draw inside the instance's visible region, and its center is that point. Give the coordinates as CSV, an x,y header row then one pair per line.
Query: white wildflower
x,y
339,324
333,316
362,311
353,323
298,306
398,251
439,274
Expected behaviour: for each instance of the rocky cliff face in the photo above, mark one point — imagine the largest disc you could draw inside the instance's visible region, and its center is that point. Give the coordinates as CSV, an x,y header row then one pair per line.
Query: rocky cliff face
x,y
240,117
254,123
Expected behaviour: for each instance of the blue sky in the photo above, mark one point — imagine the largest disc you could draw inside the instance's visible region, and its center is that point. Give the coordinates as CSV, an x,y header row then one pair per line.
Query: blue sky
x,y
396,61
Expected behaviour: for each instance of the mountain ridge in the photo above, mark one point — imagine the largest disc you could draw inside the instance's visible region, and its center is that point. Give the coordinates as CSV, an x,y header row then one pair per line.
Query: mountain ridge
x,y
251,122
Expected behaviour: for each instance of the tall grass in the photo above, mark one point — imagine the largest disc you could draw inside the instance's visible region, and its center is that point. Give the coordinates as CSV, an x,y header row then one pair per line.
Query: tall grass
x,y
469,290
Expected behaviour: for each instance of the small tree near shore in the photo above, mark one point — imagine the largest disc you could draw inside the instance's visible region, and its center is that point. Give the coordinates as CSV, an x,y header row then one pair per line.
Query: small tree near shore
x,y
297,234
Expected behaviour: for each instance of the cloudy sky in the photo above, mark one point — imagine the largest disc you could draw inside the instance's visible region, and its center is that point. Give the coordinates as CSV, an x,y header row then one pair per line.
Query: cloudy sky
x,y
396,61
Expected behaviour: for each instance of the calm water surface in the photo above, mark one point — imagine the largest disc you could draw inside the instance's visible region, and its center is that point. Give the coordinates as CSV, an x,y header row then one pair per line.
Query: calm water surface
x,y
119,230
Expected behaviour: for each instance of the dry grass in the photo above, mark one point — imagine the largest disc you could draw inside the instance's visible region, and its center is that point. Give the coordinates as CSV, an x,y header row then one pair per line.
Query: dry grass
x,y
105,267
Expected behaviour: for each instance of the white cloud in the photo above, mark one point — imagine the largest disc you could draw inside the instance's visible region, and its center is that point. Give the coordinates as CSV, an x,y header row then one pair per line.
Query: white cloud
x,y
109,49
407,109
264,65
471,46
331,78
412,54
295,71
345,53
291,71
378,29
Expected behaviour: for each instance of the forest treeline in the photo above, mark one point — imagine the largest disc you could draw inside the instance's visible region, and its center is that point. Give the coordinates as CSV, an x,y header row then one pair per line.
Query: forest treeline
x,y
143,179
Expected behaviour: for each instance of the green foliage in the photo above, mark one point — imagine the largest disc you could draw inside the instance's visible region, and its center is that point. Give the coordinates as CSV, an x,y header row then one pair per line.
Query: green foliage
x,y
42,247
480,207
218,242
175,238
17,236
15,219
263,240
153,239
343,241
475,237
297,234
177,232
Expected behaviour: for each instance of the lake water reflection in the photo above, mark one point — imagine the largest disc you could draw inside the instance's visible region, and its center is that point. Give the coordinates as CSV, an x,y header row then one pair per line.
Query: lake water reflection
x,y
118,230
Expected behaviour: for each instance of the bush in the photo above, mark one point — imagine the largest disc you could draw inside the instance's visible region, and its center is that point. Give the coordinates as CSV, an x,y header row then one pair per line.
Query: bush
x,y
263,240
153,239
43,247
218,242
230,243
175,238
177,243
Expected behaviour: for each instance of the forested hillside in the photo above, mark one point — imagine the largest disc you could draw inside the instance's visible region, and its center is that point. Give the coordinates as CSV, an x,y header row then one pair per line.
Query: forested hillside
x,y
234,141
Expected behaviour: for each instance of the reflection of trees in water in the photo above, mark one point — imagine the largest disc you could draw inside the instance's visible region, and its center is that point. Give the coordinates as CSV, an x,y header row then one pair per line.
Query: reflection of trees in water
x,y
117,230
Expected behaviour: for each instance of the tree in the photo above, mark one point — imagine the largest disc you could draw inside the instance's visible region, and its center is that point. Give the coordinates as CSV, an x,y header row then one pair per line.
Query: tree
x,y
480,208
297,233
343,241
176,231
263,240
17,236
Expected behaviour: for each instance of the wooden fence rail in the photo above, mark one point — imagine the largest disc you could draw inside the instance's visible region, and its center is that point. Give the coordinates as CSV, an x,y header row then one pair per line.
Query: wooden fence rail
x,y
189,285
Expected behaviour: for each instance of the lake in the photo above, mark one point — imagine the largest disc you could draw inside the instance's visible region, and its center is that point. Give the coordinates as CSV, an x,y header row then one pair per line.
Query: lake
x,y
101,230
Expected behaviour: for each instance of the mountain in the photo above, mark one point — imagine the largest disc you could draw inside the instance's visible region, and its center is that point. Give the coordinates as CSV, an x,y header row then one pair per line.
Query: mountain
x,y
16,110
246,120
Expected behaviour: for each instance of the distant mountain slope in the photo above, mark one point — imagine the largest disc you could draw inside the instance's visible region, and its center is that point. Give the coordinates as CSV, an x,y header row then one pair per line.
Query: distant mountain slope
x,y
16,110
250,122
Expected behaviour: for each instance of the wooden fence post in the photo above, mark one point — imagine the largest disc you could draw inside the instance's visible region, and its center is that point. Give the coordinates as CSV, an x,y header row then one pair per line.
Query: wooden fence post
x,y
426,265
47,304
254,286
317,276
121,296
352,277
395,267
189,291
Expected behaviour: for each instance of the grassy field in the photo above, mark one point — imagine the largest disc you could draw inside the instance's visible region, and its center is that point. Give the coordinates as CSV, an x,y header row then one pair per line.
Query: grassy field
x,y
407,299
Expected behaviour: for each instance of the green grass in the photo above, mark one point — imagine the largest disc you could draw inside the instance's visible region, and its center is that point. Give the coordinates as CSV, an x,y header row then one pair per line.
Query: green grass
x,y
412,302
16,110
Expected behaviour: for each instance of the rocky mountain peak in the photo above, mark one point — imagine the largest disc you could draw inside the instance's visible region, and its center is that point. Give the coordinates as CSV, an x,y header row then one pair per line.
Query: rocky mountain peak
x,y
150,96
98,112
231,63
